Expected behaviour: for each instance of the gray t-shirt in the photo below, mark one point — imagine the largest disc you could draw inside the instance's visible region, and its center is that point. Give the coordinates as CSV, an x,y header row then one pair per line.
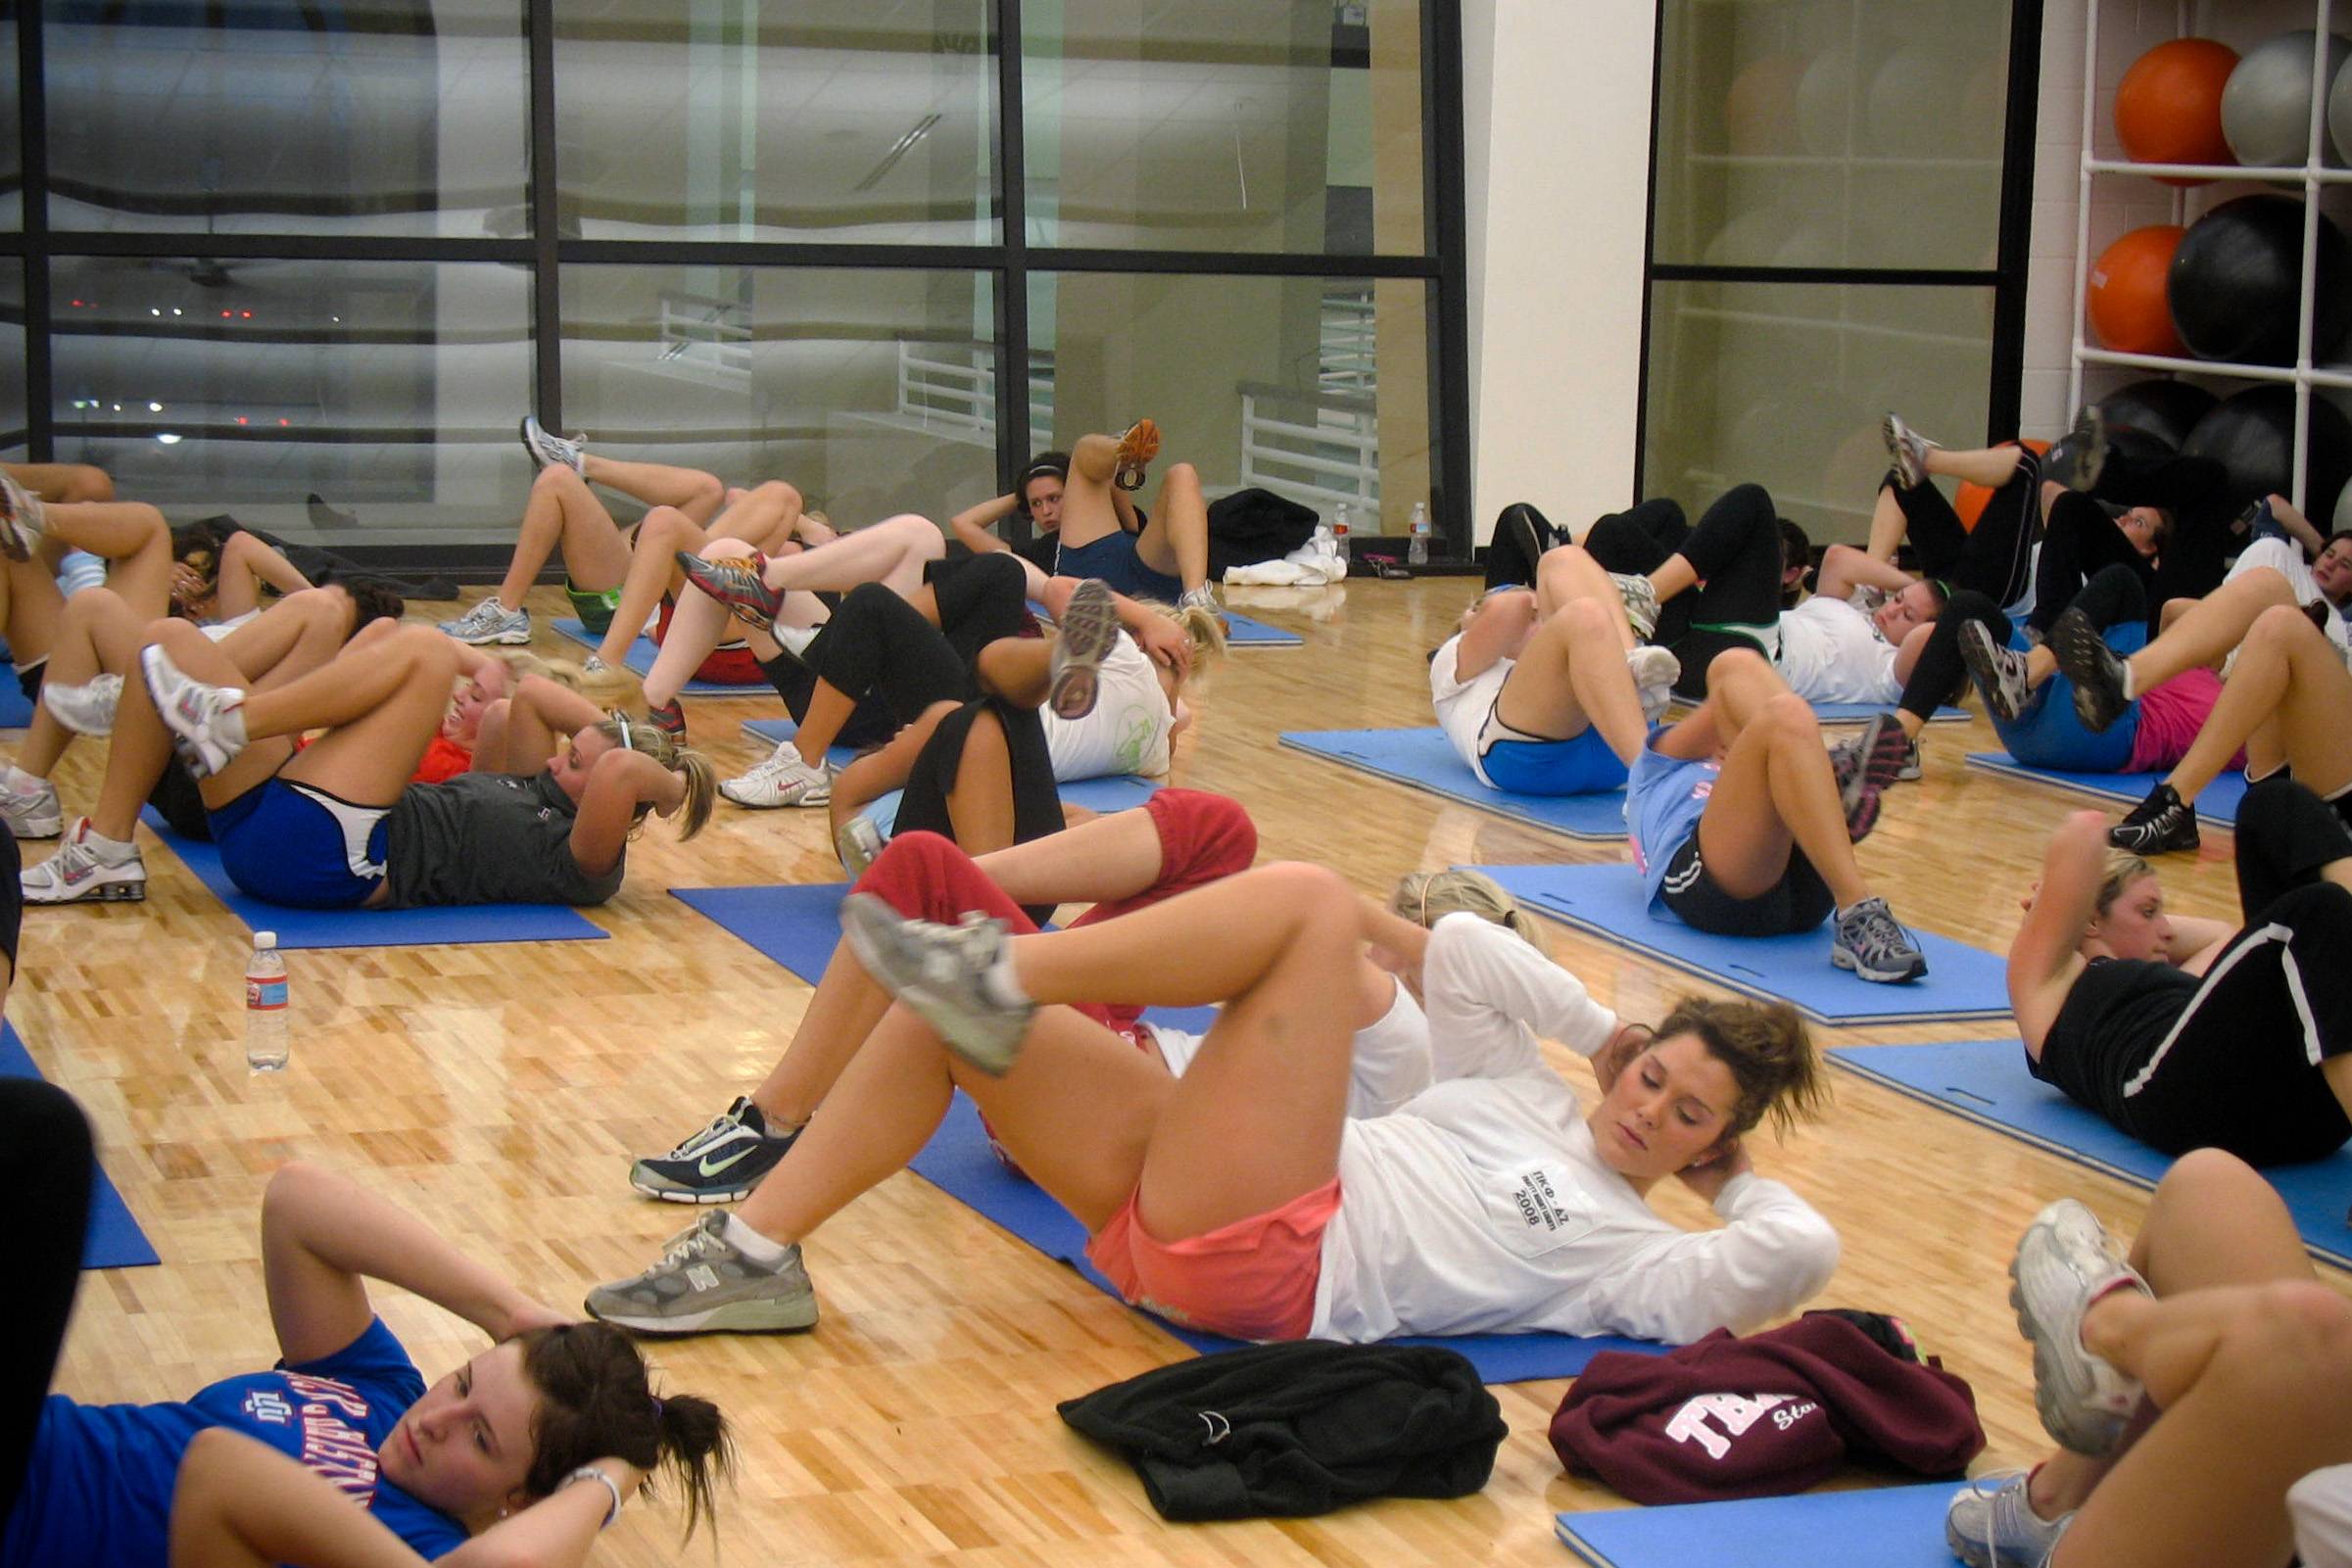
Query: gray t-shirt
x,y
487,838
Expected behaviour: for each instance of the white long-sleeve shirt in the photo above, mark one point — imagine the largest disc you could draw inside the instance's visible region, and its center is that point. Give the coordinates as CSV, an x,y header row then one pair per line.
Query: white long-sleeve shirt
x,y
1481,1205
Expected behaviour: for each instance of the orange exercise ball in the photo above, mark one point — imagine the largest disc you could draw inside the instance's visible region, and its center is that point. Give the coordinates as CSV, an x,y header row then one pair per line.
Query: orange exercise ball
x,y
2168,107
2125,293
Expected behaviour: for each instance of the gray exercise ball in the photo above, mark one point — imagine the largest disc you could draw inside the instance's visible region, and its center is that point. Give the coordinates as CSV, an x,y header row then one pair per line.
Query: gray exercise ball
x,y
2265,109
2340,112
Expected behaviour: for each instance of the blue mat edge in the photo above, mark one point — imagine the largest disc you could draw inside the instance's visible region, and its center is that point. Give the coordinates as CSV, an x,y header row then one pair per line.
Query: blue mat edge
x,y
113,1237
640,663
1573,1530
1623,940
2002,765
1844,1057
1501,806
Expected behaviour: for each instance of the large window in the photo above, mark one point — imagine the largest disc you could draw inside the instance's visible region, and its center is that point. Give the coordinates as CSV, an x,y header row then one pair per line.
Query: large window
x,y
1839,230
312,266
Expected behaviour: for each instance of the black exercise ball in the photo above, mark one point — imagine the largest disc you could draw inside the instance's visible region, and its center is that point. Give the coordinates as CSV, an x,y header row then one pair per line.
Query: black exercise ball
x,y
2237,283
2253,435
2161,407
2130,441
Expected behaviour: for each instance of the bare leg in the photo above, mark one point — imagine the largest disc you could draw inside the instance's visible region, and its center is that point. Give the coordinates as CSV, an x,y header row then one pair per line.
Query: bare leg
x,y
689,490
979,803
381,708
652,572
1571,677
892,553
2205,633
1018,669
63,482
2290,673
1776,787
1087,513
1176,539
1989,466
133,538
563,511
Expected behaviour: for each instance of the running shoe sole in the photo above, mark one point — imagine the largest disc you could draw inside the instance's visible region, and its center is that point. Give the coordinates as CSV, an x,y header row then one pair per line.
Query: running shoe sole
x,y
1841,958
15,533
1908,470
655,1185
1089,625
1136,448
736,584
2092,665
735,1318
1884,749
204,756
1985,668
2092,1433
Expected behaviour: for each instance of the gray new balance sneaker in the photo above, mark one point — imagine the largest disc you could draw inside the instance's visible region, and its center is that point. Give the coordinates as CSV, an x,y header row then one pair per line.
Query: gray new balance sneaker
x,y
1869,942
1990,1523
705,1284
2065,1262
491,622
937,971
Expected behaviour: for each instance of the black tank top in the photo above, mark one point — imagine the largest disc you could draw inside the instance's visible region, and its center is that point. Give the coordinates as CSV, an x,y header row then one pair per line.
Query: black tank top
x,y
2117,1013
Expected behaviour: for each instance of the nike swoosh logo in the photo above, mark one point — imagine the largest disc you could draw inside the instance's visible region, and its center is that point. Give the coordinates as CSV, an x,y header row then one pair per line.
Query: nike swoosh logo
x,y
711,1167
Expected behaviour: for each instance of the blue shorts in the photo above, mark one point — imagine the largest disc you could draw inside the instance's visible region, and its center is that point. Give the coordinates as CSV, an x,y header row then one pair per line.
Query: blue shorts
x,y
1530,765
1113,558
289,843
2047,735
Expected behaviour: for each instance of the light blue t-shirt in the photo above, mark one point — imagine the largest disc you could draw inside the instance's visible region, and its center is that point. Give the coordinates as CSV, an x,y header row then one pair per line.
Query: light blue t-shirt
x,y
98,1486
1663,798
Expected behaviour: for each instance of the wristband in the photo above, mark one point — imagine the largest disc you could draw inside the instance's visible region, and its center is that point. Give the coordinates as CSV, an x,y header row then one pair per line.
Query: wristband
x,y
589,1472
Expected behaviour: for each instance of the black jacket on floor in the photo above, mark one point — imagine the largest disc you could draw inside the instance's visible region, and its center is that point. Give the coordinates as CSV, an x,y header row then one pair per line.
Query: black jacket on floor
x,y
1286,1430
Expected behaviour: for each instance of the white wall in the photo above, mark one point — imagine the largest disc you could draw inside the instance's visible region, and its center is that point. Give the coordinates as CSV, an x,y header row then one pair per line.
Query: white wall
x,y
1557,188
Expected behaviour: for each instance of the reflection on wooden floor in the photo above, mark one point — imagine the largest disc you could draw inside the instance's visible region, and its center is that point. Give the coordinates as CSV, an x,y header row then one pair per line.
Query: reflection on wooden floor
x,y
501,1090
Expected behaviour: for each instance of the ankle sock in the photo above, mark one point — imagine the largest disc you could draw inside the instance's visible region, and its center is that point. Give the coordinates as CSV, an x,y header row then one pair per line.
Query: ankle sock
x,y
753,1244
998,984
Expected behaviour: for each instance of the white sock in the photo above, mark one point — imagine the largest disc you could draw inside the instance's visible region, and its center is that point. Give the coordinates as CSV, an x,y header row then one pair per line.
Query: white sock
x,y
999,984
794,640
753,1244
114,851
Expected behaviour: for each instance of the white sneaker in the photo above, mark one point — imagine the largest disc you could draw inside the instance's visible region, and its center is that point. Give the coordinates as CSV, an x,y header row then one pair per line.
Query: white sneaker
x,y
208,730
1654,671
2065,1262
1205,596
28,805
784,779
1089,627
85,709
490,621
552,452
1989,1523
20,525
86,869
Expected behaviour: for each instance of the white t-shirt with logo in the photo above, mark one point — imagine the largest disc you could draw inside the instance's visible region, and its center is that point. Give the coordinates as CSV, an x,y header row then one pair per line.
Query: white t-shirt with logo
x,y
1831,652
1481,1205
2286,558
1128,731
2321,1506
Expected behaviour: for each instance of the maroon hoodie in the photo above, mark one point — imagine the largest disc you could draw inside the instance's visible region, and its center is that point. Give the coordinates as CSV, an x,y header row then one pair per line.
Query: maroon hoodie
x,y
1762,1416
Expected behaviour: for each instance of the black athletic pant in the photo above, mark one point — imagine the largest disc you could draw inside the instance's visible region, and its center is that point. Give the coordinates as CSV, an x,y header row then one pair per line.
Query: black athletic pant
x,y
2079,541
2239,1068
1036,801
2113,597
2196,492
1991,558
47,1162
1523,534
878,642
1735,551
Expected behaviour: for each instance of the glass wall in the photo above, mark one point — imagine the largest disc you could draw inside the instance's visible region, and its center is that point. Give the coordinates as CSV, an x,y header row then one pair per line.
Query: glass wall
x,y
1829,241
312,266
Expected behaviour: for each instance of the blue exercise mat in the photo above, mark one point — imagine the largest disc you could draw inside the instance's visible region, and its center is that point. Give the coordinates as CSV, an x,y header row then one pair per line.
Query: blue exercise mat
x,y
1846,712
15,709
457,925
639,659
2217,807
112,1239
1887,1527
958,1161
1962,982
1243,633
1424,760
1987,1081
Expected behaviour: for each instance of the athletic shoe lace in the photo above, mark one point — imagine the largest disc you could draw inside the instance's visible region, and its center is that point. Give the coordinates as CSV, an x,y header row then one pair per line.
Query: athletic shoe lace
x,y
725,1122
701,1240
1876,935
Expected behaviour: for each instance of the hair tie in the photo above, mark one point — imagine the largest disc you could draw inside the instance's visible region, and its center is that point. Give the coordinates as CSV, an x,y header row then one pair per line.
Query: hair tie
x,y
628,743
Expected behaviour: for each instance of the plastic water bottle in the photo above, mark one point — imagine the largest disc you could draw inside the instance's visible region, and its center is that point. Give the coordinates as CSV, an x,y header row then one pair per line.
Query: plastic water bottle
x,y
266,1044
1417,545
1339,531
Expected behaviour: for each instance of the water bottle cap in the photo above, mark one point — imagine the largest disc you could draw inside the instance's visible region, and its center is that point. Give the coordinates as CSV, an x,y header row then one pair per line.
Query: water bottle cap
x,y
264,941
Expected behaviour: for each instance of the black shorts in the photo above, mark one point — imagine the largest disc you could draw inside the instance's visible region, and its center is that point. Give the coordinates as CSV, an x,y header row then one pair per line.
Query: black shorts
x,y
1799,901
28,679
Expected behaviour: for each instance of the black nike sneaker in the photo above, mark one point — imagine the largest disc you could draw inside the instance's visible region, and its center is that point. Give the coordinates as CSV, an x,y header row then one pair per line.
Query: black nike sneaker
x,y
2159,824
718,1164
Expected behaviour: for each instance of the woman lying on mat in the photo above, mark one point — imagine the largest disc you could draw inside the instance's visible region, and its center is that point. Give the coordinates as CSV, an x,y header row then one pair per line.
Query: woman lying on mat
x,y
2045,730
614,585
2283,706
521,1454
1242,1197
2177,1029
1741,825
1548,693
337,825
2200,1390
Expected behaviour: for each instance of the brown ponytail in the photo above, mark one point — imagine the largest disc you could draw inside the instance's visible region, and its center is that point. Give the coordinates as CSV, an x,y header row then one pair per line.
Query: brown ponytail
x,y
596,1399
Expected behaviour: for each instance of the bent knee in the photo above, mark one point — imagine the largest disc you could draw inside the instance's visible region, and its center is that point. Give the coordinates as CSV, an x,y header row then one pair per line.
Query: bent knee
x,y
1790,714
1586,617
1735,664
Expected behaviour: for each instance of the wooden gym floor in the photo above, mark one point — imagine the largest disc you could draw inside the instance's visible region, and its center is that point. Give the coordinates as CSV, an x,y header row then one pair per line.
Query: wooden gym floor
x,y
501,1091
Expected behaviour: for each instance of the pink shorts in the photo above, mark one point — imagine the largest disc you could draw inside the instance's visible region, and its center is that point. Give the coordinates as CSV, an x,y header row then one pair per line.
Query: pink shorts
x,y
1253,1279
